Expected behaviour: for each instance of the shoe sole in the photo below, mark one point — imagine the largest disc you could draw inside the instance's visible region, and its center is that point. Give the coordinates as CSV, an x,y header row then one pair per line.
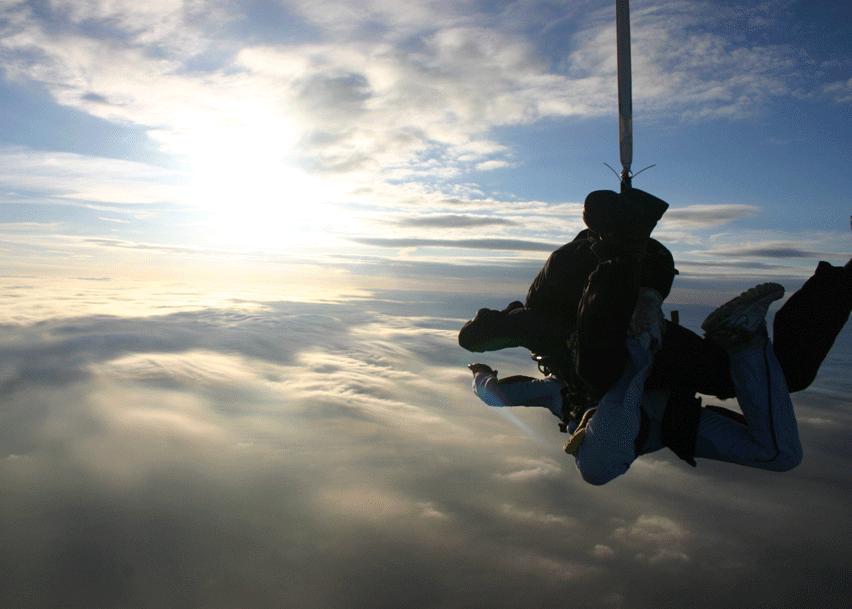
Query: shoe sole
x,y
744,305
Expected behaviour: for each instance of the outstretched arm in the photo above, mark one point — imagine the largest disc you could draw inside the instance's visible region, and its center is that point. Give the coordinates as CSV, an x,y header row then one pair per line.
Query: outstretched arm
x,y
516,390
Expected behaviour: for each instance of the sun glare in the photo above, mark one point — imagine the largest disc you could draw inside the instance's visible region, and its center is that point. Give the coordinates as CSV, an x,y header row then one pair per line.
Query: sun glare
x,y
253,195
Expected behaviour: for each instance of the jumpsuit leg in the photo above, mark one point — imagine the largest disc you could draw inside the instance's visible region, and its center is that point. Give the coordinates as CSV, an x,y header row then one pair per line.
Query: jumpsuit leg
x,y
804,330
770,438
806,326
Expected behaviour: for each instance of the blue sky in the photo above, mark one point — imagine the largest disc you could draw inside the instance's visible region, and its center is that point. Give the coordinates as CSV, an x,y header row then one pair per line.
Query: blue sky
x,y
238,240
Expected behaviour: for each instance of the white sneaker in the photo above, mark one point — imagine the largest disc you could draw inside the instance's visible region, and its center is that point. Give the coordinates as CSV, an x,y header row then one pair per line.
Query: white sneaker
x,y
742,317
647,325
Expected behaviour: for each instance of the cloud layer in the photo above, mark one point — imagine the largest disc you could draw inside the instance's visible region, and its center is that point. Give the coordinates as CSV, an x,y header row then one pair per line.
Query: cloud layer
x,y
260,453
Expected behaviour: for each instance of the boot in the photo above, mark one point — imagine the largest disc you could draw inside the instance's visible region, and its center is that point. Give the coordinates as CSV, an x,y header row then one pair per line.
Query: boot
x,y
740,323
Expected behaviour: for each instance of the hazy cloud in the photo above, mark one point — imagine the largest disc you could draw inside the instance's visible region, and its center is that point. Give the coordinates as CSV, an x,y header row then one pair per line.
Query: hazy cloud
x,y
679,67
777,250
322,454
840,91
60,177
705,216
532,468
455,221
491,244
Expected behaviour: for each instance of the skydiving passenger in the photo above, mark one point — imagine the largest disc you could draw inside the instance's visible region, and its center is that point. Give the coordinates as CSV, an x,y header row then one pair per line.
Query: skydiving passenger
x,y
630,420
805,329
583,304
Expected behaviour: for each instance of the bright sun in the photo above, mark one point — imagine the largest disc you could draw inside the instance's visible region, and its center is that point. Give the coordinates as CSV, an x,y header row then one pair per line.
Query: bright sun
x,y
254,197
260,203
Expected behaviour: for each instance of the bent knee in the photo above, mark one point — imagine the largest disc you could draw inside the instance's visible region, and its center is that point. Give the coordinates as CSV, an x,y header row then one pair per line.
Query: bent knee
x,y
789,460
784,461
597,476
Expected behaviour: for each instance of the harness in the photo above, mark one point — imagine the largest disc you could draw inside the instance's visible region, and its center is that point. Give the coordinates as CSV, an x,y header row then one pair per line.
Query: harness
x,y
577,399
679,426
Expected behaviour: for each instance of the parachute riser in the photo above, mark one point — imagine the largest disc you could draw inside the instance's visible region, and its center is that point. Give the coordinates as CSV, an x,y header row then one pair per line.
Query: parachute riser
x,y
626,178
625,96
625,91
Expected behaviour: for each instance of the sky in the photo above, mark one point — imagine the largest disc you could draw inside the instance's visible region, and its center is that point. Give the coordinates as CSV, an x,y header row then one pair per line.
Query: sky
x,y
238,240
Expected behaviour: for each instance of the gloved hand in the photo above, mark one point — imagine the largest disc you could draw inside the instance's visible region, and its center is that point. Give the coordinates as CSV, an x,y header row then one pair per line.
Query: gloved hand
x,y
481,368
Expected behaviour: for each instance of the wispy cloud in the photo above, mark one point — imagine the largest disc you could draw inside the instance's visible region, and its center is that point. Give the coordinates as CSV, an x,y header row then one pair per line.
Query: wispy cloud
x,y
455,221
411,92
491,244
705,216
840,91
59,177
769,250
